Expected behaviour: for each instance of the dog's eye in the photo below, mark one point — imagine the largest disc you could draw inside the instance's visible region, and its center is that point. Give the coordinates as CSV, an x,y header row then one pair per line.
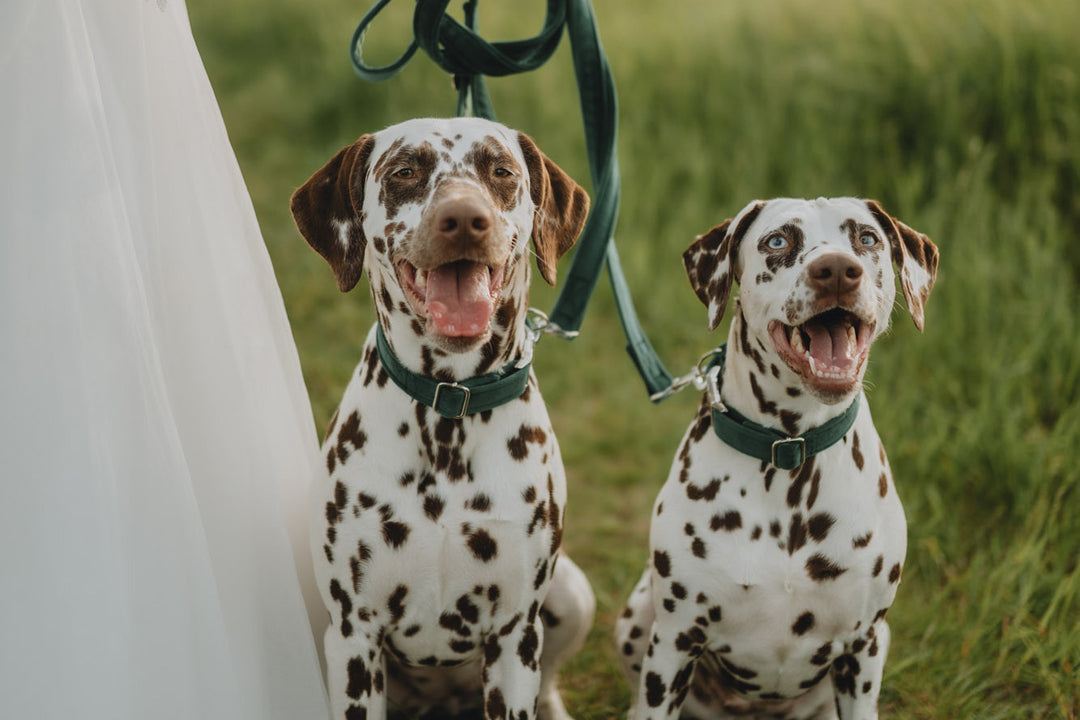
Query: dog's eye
x,y
868,240
501,172
776,242
404,173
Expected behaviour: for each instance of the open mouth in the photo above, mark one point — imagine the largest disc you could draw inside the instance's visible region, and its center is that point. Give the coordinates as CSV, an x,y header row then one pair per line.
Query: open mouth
x,y
458,297
828,351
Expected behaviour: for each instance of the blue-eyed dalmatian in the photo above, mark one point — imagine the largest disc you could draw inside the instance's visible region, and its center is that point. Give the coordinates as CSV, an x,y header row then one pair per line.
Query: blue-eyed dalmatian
x,y
766,591
436,538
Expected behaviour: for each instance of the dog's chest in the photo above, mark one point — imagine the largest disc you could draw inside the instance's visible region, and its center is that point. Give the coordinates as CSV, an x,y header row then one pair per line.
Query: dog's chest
x,y
781,563
440,530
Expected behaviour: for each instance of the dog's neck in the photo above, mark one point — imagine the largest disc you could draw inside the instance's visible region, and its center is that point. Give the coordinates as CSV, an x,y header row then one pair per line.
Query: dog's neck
x,y
424,356
758,385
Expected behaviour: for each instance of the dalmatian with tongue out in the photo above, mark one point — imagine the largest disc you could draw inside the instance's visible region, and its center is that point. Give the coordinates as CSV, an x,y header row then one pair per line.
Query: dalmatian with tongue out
x,y
778,540
437,530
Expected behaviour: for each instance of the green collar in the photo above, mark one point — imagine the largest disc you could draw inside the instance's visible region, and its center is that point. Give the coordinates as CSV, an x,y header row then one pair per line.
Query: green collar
x,y
764,443
454,399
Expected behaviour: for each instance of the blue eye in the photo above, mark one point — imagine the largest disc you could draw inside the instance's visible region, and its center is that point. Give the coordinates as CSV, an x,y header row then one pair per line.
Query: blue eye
x,y
868,240
776,242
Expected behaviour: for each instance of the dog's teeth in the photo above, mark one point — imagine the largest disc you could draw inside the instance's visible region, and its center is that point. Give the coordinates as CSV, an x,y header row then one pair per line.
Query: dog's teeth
x,y
796,341
813,365
421,279
853,340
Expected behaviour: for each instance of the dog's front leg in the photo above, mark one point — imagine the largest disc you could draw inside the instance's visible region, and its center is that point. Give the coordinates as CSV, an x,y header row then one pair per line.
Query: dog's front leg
x,y
356,676
856,674
567,614
512,668
666,671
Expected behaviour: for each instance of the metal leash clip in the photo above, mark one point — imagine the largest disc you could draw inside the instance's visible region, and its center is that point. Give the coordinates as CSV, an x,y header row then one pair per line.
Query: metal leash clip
x,y
539,321
710,377
698,377
677,384
537,324
712,389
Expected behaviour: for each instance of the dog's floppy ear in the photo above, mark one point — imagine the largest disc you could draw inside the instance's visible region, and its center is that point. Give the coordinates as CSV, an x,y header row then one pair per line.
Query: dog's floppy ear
x,y
710,261
561,207
915,257
327,210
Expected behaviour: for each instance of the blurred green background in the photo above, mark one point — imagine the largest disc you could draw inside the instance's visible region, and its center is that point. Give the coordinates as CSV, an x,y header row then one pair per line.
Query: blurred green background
x,y
962,117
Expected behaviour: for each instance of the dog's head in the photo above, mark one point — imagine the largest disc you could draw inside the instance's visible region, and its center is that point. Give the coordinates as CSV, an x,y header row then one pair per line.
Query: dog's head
x,y
439,213
816,282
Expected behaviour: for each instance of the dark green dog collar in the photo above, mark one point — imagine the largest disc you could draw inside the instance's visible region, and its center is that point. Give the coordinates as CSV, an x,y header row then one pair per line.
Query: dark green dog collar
x,y
767,444
454,399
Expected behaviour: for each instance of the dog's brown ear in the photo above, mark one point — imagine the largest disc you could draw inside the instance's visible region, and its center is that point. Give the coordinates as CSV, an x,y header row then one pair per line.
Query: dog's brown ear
x,y
327,211
561,208
915,257
710,261
708,267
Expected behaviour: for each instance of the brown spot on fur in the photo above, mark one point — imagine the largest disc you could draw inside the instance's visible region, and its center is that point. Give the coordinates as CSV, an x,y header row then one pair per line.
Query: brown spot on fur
x,y
661,563
894,573
856,453
766,406
495,706
395,603
802,476
518,445
819,525
803,623
789,420
821,568
797,532
394,533
433,507
729,521
482,545
343,599
707,493
697,547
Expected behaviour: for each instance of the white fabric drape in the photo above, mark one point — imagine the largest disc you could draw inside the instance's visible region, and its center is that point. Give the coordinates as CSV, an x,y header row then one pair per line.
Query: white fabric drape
x,y
156,441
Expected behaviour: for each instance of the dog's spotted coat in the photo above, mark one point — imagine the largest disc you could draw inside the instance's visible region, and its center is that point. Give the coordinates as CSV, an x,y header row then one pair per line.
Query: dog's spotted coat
x,y
767,590
436,539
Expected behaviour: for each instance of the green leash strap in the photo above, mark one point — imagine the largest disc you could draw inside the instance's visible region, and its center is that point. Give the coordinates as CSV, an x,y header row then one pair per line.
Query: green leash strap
x,y
461,51
658,380
764,443
454,399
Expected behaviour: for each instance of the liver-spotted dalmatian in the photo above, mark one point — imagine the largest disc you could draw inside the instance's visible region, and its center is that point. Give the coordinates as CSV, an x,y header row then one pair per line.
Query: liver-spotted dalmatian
x,y
767,588
436,538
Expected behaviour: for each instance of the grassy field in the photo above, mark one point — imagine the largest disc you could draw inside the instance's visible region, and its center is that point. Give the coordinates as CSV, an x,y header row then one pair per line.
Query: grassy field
x,y
962,117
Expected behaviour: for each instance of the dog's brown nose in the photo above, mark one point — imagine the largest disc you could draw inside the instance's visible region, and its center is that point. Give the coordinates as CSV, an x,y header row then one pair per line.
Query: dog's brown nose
x,y
835,274
464,220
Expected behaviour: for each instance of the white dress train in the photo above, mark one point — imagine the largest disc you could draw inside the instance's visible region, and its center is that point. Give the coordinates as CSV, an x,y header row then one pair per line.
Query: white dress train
x,y
156,439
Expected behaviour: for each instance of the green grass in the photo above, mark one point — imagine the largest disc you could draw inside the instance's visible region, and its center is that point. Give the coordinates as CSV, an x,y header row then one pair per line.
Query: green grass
x,y
963,118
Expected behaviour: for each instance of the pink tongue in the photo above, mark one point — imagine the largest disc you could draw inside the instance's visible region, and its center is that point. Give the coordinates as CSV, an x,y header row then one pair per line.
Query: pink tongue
x,y
459,298
829,345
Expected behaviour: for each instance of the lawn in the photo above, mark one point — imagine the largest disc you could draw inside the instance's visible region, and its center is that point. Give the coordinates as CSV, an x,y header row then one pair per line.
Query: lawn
x,y
962,117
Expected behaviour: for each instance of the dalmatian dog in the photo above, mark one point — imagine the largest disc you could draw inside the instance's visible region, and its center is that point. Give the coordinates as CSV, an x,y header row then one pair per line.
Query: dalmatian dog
x,y
436,535
767,588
